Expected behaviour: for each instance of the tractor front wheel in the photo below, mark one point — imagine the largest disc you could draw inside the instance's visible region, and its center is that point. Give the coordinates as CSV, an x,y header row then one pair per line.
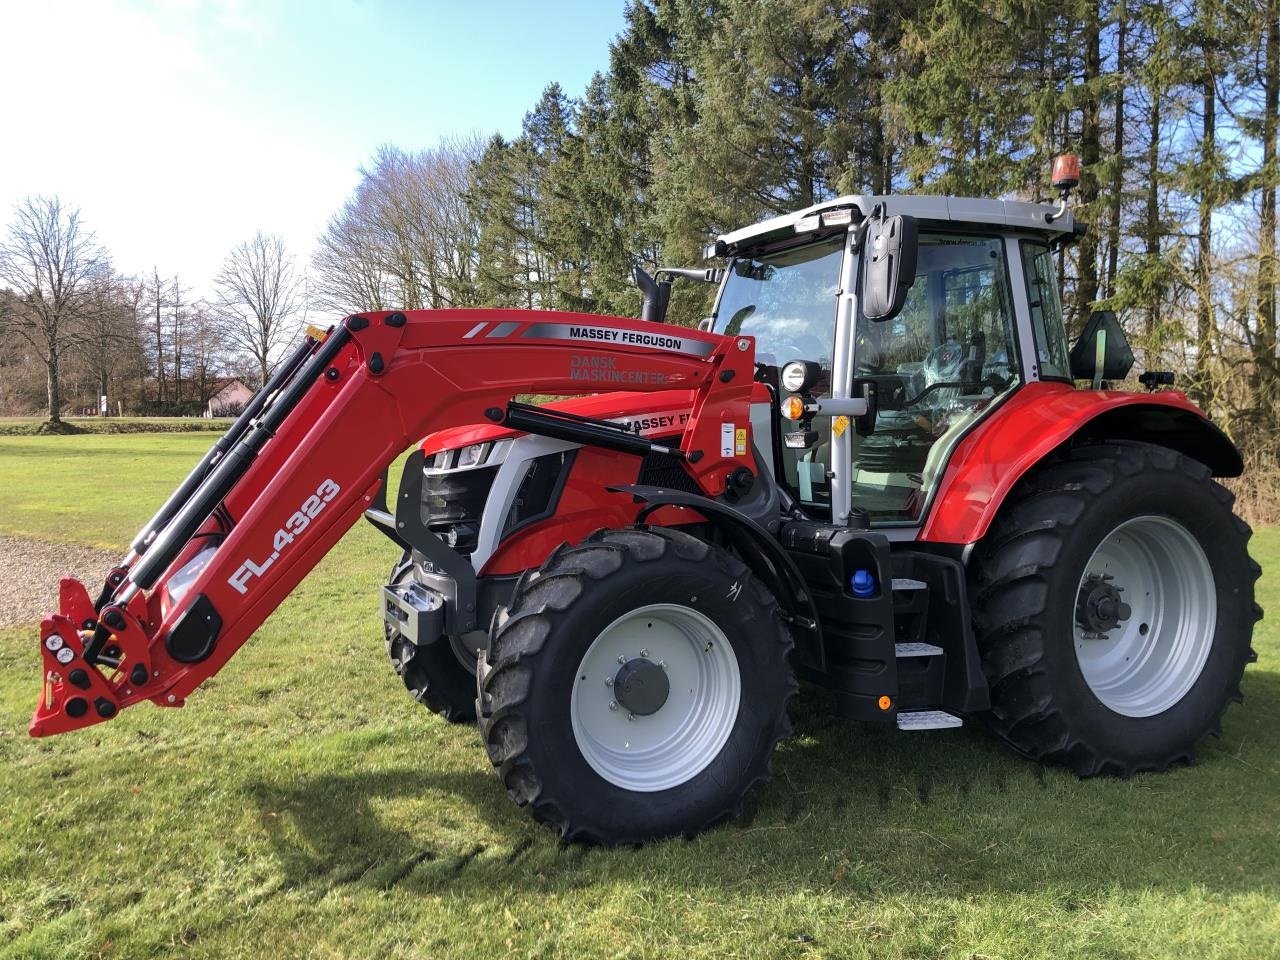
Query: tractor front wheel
x,y
441,675
1114,609
635,687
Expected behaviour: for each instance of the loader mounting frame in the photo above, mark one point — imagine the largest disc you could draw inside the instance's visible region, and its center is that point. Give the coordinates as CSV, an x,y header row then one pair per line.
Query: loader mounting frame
x,y
309,456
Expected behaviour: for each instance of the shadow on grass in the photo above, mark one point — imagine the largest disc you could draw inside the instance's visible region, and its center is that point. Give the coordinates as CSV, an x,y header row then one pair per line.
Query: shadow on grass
x,y
859,806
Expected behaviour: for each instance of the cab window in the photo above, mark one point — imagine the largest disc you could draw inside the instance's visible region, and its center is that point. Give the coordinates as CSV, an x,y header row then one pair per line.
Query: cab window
x,y
1046,312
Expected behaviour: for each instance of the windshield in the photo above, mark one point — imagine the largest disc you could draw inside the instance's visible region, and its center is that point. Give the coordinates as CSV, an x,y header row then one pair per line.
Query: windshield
x,y
786,300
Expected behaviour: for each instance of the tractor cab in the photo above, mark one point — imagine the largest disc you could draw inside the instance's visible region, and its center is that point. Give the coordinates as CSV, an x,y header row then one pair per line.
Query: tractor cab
x,y
973,315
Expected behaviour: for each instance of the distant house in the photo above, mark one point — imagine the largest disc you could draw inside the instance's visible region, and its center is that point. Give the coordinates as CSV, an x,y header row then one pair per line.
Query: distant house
x,y
227,396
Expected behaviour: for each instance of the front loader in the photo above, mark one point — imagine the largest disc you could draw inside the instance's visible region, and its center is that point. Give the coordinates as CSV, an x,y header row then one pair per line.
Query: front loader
x,y
870,468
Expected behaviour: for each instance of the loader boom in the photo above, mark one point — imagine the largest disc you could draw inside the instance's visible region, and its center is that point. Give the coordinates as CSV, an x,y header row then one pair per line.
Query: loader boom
x,y
282,487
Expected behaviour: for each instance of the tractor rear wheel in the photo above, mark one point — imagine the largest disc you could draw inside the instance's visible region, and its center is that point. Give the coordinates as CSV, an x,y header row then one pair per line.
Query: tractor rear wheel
x,y
441,675
635,687
1114,609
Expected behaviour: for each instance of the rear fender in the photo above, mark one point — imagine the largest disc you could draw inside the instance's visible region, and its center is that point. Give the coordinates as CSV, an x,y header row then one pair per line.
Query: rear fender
x,y
1040,418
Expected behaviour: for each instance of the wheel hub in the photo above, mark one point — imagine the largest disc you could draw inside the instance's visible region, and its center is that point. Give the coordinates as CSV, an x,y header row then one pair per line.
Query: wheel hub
x,y
1099,608
641,686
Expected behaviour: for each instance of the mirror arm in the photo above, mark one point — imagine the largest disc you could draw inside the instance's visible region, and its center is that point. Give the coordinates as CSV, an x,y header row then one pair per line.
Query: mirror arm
x,y
852,407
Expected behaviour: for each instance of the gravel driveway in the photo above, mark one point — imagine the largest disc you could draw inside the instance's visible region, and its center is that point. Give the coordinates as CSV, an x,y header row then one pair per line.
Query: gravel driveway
x,y
30,570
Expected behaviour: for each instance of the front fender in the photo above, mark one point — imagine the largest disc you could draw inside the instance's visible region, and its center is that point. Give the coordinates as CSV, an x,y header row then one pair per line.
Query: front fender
x,y
1038,419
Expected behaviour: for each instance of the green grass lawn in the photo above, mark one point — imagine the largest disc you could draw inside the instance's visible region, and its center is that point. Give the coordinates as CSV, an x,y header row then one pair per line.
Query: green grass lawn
x,y
302,805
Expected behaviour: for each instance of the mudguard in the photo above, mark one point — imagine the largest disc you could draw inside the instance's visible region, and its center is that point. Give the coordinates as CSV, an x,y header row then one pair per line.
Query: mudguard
x,y
759,550
1042,416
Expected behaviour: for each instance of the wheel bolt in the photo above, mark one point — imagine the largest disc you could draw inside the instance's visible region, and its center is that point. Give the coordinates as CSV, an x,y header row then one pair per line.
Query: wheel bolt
x,y
622,659
631,716
613,704
644,653
608,681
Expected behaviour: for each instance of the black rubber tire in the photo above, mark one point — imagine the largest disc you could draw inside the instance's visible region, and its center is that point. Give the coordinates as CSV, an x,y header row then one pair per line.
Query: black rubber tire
x,y
432,674
1026,573
538,641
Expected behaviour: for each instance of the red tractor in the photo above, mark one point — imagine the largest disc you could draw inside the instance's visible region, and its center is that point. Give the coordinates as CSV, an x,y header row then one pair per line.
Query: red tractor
x,y
870,468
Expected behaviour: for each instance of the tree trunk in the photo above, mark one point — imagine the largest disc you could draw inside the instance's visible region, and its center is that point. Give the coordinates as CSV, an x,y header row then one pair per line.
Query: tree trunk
x,y
159,350
1151,227
1090,153
1204,246
103,382
1117,152
1265,360
54,387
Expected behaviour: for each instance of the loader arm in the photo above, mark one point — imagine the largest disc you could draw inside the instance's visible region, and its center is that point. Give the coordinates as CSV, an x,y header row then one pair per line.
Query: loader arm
x,y
291,477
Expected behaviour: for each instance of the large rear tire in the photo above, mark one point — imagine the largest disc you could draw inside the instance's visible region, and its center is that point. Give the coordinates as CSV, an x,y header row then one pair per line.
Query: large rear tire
x,y
638,685
441,676
1114,609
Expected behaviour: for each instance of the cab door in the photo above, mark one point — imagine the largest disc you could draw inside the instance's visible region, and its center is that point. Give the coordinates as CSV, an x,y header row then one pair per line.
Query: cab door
x,y
936,367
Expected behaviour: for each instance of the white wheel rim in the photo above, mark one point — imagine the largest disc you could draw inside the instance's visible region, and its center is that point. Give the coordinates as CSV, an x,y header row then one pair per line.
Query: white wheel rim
x,y
1146,664
680,739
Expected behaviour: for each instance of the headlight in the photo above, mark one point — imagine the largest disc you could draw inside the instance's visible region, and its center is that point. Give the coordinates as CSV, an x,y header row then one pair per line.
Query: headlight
x,y
799,376
470,456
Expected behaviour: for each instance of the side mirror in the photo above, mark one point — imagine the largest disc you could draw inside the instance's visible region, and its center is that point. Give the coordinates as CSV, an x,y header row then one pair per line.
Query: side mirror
x,y
889,264
1102,352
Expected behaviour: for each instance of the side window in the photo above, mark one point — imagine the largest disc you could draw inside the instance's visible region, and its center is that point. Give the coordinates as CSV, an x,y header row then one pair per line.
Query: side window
x,y
1046,312
936,366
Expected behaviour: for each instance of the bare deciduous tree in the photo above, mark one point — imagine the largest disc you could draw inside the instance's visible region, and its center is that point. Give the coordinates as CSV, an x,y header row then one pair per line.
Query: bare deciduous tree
x,y
258,292
49,259
406,238
110,329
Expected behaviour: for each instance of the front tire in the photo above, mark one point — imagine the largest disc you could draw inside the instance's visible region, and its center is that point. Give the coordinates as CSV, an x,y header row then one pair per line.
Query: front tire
x,y
441,676
1114,609
638,685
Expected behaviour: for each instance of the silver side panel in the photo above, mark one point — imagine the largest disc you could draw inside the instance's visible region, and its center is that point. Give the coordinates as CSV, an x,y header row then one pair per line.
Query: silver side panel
x,y
518,453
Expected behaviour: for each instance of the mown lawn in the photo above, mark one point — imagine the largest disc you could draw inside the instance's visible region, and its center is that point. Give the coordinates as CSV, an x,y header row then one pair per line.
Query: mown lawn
x,y
302,805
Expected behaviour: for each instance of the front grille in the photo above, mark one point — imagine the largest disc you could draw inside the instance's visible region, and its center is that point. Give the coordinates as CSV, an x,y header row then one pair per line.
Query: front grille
x,y
456,498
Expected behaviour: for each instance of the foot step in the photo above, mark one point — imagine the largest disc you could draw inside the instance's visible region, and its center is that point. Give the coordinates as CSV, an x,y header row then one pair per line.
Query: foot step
x,y
927,720
917,650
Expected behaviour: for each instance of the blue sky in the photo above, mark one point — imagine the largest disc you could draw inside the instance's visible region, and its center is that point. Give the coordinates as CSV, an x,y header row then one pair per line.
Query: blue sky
x,y
181,126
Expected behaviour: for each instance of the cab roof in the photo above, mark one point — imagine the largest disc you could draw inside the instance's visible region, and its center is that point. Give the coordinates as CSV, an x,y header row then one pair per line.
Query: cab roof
x,y
1012,214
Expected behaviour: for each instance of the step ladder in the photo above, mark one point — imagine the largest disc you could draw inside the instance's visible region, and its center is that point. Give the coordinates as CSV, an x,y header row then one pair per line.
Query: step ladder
x,y
928,720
